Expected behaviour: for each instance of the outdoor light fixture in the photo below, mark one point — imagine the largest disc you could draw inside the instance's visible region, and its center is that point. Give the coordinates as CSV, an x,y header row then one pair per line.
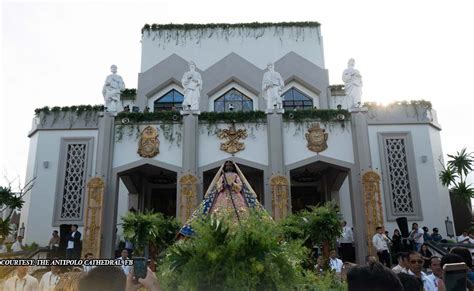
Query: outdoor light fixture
x,y
231,107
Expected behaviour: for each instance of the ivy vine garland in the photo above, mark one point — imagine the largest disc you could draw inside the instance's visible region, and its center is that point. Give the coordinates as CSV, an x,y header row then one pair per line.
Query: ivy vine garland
x,y
128,94
251,25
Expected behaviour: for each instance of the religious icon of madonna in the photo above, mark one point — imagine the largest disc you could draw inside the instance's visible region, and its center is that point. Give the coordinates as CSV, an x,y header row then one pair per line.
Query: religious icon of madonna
x,y
229,194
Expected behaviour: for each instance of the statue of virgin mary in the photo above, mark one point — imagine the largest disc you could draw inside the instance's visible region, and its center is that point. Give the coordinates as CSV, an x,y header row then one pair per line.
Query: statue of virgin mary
x,y
229,194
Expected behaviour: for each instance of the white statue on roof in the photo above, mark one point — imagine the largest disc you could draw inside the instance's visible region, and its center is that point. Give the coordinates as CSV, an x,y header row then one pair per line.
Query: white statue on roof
x,y
113,86
353,84
272,86
192,84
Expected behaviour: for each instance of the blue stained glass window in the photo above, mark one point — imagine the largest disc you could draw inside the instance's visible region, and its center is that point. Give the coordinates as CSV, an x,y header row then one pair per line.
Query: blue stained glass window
x,y
239,102
173,100
295,99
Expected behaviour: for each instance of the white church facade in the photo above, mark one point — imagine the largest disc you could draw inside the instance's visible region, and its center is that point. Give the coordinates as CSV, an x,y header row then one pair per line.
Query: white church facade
x,y
314,147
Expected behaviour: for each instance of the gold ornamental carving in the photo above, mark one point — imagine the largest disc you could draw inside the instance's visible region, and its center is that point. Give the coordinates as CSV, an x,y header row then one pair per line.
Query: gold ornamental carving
x,y
317,138
188,201
233,136
373,205
148,144
280,189
93,218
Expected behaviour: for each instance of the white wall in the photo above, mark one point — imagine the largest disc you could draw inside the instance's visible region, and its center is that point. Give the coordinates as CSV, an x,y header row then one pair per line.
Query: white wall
x,y
40,205
256,145
345,202
125,150
435,202
339,142
306,42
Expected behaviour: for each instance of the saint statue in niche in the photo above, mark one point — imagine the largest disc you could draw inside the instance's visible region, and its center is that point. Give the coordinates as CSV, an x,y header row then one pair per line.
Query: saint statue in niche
x,y
113,86
229,194
272,86
192,84
353,84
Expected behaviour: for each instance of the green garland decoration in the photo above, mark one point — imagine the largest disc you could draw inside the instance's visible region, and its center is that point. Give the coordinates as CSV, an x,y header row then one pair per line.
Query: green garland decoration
x,y
78,109
324,115
236,117
337,87
87,110
137,117
251,25
128,94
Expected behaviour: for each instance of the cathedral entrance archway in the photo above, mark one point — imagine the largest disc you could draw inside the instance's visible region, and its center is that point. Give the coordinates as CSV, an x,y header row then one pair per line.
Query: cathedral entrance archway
x,y
314,183
155,188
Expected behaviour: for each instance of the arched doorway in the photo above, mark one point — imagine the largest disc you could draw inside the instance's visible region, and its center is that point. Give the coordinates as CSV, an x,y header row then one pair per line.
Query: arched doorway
x,y
314,183
154,186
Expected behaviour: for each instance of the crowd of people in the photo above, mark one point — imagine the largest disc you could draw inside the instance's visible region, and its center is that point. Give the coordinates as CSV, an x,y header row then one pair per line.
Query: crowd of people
x,y
97,278
416,268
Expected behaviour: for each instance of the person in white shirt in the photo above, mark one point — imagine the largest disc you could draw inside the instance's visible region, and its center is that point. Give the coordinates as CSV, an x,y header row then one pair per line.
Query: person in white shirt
x,y
21,281
437,275
463,238
335,264
346,240
123,257
416,235
380,243
17,246
87,268
402,266
50,279
416,264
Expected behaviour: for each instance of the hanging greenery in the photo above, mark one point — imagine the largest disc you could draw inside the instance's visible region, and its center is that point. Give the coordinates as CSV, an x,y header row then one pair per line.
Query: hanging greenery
x,y
134,117
85,111
337,87
252,25
180,33
128,94
323,115
237,117
79,109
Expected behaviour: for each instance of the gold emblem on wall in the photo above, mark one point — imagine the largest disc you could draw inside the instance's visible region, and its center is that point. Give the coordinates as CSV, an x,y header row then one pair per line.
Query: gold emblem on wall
x,y
188,201
93,221
280,189
233,136
372,205
148,144
316,137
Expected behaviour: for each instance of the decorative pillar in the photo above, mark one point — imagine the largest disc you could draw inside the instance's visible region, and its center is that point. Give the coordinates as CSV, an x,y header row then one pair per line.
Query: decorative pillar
x,y
373,205
363,163
275,156
105,150
188,200
280,188
92,225
188,190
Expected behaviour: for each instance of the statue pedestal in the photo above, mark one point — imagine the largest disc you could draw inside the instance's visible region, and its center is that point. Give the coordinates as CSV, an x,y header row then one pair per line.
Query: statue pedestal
x,y
188,112
358,109
276,110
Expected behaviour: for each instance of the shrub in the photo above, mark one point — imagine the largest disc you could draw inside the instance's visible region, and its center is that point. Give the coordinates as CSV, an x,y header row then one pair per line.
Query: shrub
x,y
224,255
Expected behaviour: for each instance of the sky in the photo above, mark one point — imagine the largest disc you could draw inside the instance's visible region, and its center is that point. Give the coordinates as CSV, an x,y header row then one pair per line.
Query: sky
x,y
59,53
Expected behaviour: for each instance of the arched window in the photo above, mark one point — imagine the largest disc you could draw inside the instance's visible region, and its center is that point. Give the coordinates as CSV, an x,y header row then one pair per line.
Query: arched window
x,y
233,99
173,100
295,99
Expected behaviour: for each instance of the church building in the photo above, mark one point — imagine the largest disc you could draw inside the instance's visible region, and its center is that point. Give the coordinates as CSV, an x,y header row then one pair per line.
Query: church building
x,y
257,94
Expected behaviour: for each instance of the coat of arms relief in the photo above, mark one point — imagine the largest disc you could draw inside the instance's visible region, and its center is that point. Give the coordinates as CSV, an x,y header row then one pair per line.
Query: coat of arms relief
x,y
316,137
